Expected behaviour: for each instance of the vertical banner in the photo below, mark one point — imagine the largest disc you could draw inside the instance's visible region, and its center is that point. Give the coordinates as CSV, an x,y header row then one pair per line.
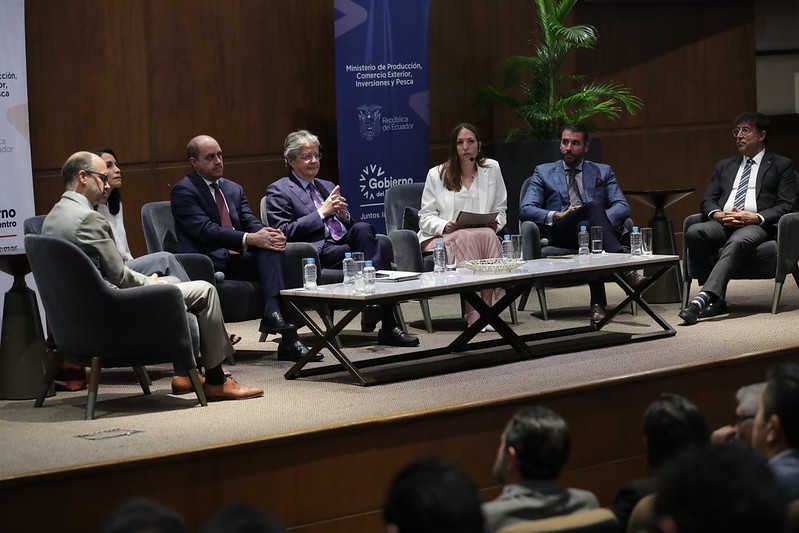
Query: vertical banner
x,y
16,185
382,100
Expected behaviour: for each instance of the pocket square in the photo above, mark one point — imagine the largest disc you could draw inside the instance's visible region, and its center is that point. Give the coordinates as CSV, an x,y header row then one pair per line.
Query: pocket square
x,y
599,182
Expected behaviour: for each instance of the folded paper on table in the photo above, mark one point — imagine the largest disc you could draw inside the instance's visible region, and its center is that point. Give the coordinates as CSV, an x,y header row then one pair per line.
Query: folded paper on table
x,y
396,275
475,220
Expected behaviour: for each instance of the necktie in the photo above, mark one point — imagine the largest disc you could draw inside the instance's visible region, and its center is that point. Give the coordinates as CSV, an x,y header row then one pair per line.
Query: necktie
x,y
224,214
333,224
574,191
740,195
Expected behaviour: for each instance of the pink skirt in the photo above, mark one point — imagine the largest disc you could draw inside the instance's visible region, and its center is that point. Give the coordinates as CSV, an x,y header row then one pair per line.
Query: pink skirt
x,y
472,243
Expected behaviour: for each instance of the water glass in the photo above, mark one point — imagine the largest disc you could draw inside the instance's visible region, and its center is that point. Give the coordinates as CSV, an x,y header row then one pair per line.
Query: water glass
x,y
359,264
451,249
596,239
646,241
517,246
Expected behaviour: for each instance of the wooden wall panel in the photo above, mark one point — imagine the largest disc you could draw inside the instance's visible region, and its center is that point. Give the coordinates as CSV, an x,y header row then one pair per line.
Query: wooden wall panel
x,y
87,73
144,76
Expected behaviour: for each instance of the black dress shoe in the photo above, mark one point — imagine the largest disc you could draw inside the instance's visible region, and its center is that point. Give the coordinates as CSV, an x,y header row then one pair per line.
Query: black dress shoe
x,y
275,323
294,350
396,337
598,313
719,307
370,316
634,279
690,314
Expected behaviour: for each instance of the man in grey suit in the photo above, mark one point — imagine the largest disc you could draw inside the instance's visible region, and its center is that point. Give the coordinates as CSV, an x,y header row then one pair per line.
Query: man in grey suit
x,y
574,192
534,447
74,218
746,197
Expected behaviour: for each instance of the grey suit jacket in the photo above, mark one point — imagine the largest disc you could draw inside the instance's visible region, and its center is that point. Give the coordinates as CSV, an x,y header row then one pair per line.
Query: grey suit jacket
x,y
72,219
535,500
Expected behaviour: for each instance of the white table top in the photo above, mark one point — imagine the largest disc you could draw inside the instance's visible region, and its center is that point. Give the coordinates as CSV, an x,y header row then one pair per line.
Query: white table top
x,y
534,269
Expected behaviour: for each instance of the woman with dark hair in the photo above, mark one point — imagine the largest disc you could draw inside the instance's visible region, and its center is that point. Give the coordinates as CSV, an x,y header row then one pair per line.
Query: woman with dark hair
x,y
161,263
466,181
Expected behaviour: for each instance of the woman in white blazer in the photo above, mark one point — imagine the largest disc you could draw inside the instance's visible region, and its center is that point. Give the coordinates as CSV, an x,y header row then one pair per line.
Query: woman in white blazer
x,y
466,181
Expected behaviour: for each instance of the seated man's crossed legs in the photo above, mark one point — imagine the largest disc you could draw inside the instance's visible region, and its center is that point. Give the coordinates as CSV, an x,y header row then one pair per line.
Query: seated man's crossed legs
x,y
704,241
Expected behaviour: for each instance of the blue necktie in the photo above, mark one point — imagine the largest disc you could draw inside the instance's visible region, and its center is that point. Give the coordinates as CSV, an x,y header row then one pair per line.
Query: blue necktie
x,y
740,195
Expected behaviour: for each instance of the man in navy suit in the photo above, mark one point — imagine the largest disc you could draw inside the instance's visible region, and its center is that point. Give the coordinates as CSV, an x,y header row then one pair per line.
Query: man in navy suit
x,y
574,192
308,209
746,197
775,431
213,217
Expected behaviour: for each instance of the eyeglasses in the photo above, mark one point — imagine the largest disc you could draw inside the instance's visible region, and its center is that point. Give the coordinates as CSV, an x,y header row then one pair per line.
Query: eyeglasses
x,y
308,157
103,175
745,131
737,419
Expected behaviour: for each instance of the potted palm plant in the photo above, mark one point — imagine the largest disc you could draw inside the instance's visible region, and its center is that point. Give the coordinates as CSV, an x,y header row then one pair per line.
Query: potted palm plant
x,y
545,98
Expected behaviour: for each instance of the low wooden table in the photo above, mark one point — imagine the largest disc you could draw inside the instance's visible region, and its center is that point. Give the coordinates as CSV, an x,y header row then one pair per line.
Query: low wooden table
x,y
468,284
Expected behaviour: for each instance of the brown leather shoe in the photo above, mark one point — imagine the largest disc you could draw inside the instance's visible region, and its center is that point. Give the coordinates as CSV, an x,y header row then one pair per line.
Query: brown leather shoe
x,y
634,279
230,390
182,384
598,313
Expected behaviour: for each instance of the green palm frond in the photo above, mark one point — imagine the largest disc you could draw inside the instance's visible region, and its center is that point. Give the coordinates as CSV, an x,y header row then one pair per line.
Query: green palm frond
x,y
544,97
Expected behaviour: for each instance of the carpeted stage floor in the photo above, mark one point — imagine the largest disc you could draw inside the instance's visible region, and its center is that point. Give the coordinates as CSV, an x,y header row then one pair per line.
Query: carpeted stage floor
x,y
57,438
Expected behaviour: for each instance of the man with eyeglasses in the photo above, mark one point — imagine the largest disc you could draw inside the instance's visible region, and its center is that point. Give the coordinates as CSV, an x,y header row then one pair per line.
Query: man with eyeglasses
x,y
75,219
309,209
213,217
746,197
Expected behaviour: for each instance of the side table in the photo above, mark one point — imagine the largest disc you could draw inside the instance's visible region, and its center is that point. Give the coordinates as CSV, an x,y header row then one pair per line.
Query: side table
x,y
667,289
22,347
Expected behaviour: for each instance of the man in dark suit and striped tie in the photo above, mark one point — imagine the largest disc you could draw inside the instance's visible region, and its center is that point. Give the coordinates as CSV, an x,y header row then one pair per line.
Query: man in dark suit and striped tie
x,y
746,197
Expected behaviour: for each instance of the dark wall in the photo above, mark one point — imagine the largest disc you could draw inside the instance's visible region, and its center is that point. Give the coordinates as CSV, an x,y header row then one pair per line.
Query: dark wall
x,y
144,76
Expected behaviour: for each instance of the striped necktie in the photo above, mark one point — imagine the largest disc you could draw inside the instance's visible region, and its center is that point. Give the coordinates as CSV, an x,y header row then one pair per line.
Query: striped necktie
x,y
740,195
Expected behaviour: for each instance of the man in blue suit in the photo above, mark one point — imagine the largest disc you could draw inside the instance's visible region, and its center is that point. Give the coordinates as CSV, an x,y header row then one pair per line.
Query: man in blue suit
x,y
309,209
775,431
574,192
213,217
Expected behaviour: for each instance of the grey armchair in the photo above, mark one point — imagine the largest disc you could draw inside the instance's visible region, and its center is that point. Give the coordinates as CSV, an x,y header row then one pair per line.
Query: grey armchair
x,y
75,298
240,300
773,259
535,247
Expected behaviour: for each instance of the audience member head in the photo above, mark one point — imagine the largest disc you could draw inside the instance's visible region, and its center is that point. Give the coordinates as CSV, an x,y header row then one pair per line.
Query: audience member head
x,y
85,173
141,515
672,424
205,157
239,518
535,445
573,144
301,152
776,424
113,198
719,488
433,496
